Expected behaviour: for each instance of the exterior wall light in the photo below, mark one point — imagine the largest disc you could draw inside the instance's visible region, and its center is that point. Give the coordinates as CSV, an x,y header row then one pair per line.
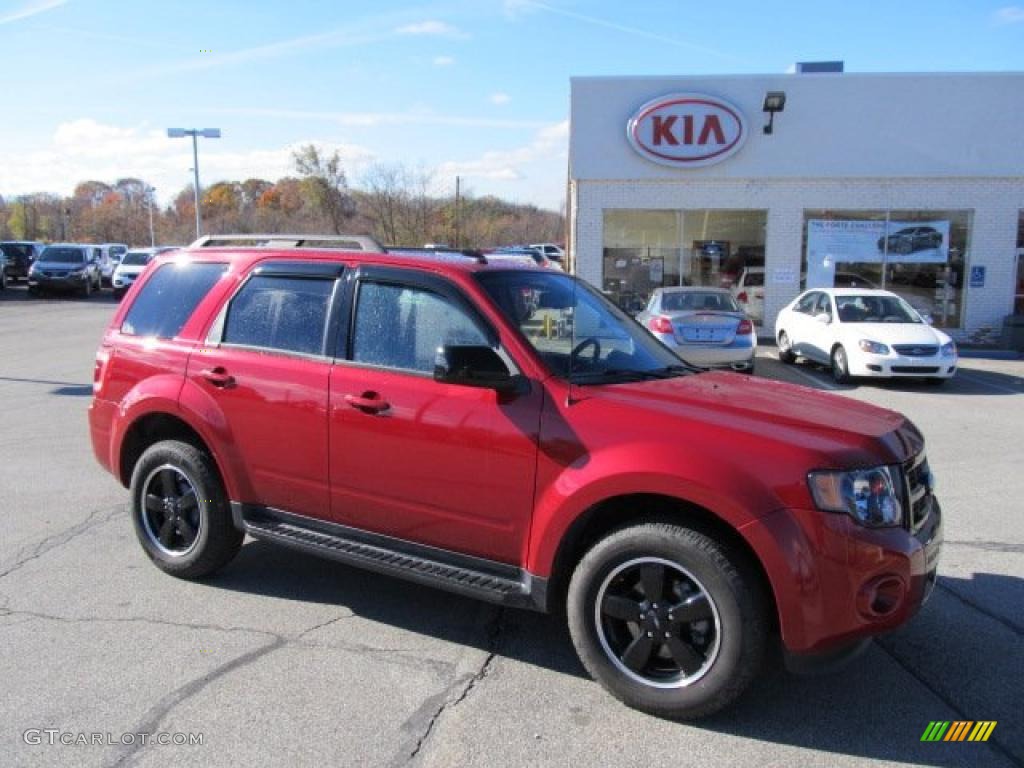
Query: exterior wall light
x,y
774,101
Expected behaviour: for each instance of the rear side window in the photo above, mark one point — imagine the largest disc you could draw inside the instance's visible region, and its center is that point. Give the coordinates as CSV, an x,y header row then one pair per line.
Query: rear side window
x,y
169,298
280,313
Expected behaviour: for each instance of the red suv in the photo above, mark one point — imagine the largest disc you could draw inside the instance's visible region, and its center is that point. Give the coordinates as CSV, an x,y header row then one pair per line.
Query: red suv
x,y
506,432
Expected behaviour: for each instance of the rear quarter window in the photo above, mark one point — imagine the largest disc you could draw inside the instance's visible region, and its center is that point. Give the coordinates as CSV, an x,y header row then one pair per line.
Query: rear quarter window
x,y
169,297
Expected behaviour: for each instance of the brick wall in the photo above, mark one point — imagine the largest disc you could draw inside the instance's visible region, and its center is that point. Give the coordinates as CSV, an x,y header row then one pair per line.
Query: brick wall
x,y
995,203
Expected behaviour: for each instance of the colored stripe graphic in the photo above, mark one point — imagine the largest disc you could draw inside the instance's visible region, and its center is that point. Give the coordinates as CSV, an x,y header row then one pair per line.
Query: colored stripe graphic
x,y
959,730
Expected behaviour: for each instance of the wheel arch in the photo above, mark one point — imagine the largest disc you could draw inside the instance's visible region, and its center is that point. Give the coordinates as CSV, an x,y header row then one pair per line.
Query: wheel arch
x,y
624,510
150,428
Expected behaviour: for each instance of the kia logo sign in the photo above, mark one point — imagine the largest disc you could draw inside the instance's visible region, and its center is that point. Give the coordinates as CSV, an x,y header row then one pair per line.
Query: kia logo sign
x,y
687,130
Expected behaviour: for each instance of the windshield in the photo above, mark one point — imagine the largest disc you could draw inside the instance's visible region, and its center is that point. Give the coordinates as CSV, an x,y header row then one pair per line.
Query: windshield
x,y
580,327
875,309
60,255
136,258
755,279
708,301
14,250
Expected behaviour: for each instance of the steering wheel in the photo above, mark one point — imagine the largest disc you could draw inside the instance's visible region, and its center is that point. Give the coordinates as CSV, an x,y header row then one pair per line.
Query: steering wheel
x,y
588,342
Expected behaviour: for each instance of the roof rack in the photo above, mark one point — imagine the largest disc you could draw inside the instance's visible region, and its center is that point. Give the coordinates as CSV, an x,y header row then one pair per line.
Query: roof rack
x,y
435,253
340,242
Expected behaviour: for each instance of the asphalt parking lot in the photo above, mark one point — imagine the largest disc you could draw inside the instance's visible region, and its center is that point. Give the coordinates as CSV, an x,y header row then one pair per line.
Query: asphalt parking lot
x,y
287,659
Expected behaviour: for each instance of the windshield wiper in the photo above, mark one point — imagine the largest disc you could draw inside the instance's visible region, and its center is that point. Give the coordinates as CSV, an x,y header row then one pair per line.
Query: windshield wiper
x,y
669,371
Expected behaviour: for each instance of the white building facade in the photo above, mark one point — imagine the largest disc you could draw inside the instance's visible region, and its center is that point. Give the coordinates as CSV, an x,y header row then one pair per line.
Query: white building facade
x,y
914,183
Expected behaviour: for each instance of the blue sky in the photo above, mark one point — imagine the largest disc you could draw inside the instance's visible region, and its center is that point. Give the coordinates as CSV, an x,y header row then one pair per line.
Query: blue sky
x,y
477,88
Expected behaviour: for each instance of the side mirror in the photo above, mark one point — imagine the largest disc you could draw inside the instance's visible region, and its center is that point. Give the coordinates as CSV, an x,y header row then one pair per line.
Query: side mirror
x,y
928,319
824,318
475,366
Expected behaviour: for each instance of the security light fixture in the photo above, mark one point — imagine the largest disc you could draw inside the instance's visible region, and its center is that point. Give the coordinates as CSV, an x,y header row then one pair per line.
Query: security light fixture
x,y
774,101
206,133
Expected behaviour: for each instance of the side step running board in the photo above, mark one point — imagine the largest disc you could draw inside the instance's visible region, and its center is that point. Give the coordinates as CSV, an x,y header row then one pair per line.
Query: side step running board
x,y
483,579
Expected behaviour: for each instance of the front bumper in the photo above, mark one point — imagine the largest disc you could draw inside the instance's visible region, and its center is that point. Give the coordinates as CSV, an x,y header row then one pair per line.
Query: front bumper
x,y
836,582
70,282
902,366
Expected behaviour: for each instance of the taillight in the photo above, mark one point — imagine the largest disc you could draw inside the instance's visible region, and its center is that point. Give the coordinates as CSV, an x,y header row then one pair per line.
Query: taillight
x,y
660,324
100,368
742,297
744,328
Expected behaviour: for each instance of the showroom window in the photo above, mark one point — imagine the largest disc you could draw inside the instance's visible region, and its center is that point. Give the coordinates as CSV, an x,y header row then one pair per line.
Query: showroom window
x,y
920,255
647,249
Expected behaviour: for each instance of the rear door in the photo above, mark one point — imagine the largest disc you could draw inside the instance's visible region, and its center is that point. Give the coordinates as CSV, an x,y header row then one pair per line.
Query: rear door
x,y
266,366
410,457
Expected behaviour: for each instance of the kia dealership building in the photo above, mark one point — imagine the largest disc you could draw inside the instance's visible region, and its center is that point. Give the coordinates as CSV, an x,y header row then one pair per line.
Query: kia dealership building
x,y
767,184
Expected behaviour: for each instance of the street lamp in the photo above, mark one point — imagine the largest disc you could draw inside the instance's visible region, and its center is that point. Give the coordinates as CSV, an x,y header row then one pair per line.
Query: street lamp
x,y
152,232
206,133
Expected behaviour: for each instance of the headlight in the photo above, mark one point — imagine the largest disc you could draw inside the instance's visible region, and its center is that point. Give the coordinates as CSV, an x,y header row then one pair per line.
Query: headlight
x,y
949,349
874,347
869,496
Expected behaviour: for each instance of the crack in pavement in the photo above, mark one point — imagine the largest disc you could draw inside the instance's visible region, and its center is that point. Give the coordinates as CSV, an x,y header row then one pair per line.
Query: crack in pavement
x,y
57,540
442,702
155,714
139,620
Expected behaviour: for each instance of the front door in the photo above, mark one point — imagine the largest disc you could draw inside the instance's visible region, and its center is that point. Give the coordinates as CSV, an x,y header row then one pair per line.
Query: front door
x,y
438,464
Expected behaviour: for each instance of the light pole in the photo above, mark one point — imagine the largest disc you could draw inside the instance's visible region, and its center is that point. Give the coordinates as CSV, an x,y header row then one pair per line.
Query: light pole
x,y
152,232
195,133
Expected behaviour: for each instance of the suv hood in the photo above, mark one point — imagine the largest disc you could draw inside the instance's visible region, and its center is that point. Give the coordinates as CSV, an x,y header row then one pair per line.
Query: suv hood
x,y
838,431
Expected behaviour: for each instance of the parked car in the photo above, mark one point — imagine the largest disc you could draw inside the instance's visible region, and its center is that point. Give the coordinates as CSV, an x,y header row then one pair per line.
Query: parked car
x,y
66,267
684,523
131,266
552,251
910,240
3,271
748,291
20,255
110,256
860,332
536,254
704,326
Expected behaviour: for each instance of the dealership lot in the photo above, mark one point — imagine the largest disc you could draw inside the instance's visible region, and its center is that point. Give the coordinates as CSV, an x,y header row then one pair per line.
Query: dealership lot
x,y
286,657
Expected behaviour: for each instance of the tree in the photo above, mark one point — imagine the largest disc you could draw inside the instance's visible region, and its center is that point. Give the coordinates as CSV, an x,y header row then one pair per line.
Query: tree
x,y
325,183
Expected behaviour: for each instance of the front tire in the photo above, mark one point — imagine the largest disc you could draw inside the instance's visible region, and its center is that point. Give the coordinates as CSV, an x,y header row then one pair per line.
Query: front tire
x,y
840,366
786,354
668,620
181,512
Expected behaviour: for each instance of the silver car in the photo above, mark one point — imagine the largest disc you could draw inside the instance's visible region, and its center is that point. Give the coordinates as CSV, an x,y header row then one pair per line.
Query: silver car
x,y
704,326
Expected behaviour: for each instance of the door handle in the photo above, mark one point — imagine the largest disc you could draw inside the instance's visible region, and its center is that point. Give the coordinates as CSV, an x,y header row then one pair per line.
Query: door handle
x,y
218,376
368,402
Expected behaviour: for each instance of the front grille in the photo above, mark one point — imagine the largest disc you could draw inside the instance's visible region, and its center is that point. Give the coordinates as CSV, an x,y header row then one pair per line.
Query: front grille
x,y
915,369
916,350
916,476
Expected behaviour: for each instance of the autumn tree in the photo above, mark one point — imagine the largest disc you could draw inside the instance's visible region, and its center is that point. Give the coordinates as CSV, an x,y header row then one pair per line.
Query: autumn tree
x,y
324,181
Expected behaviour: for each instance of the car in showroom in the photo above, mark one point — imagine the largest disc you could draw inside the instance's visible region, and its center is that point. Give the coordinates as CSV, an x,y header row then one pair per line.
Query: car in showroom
x,y
748,290
131,266
859,332
704,326
910,240
66,267
20,254
686,523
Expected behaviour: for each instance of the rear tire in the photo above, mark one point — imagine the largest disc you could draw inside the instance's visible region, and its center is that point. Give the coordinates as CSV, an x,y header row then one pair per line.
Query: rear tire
x,y
181,512
786,354
657,571
840,366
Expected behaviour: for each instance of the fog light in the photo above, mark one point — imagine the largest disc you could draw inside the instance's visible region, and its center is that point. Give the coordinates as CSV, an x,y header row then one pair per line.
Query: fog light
x,y
880,597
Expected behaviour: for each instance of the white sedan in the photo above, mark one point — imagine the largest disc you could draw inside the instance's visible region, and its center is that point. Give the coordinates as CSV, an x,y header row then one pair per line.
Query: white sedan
x,y
860,332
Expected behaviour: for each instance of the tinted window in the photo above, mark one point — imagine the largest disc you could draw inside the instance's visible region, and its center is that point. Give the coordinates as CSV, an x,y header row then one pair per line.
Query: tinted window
x,y
136,258
824,306
806,303
681,301
168,299
117,250
403,327
282,313
62,255
755,279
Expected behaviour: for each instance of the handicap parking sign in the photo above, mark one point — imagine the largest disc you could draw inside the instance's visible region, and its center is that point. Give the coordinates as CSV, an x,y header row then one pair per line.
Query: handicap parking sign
x,y
977,277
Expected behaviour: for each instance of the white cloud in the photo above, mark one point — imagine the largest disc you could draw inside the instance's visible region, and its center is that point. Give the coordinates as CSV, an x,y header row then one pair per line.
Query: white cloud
x,y
86,149
550,143
443,61
499,98
31,9
1010,14
431,28
372,119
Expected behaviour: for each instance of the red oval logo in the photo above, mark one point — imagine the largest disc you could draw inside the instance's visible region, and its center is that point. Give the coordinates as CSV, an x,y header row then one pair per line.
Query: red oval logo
x,y
687,130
